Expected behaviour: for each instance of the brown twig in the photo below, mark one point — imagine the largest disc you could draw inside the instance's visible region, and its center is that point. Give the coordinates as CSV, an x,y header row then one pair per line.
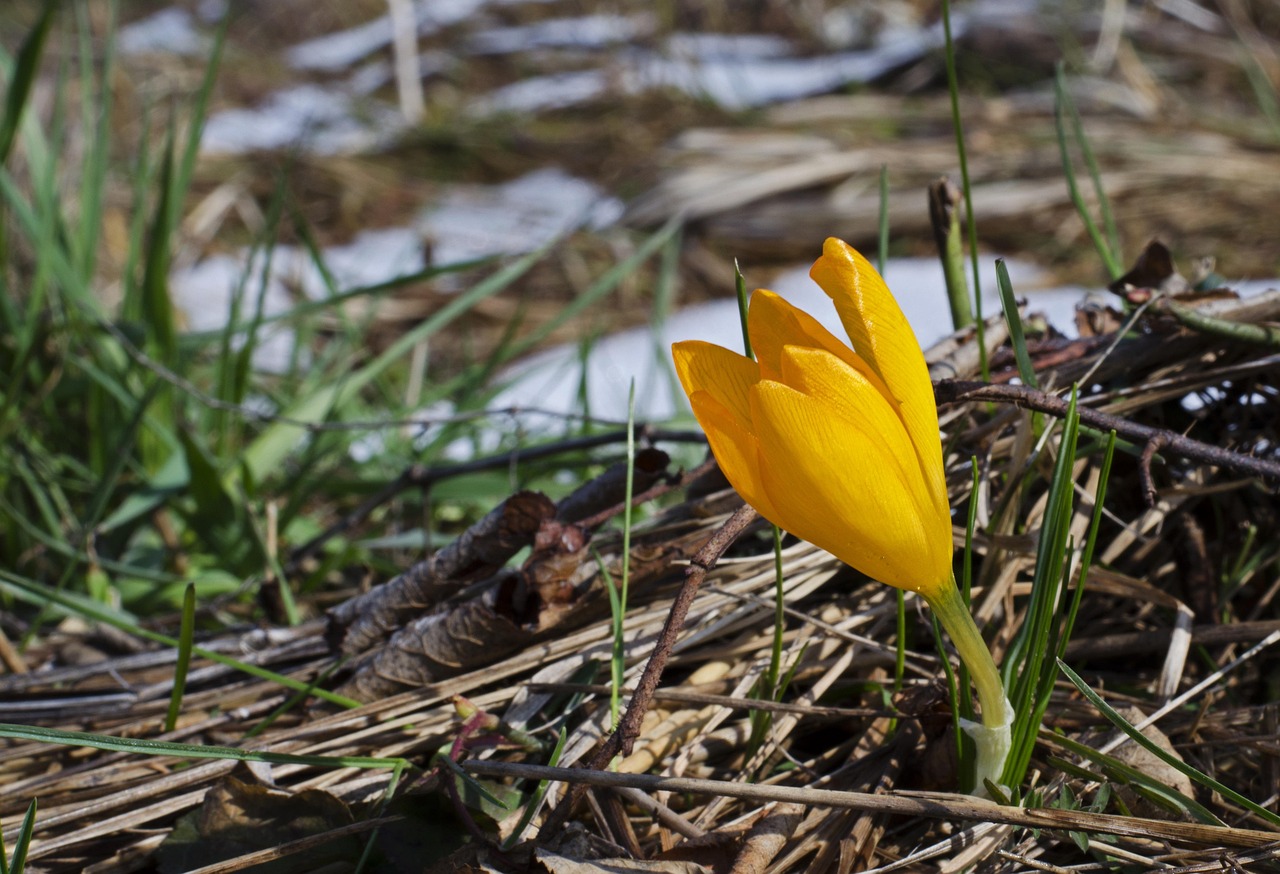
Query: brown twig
x,y
628,729
940,806
952,391
1154,445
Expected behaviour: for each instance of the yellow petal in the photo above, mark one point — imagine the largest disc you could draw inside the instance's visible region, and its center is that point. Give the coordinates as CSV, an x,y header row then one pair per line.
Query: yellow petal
x,y
851,398
736,450
773,323
723,374
835,486
882,337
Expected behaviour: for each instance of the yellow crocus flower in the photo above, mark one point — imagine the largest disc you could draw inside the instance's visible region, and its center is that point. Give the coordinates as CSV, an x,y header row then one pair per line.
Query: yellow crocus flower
x,y
840,447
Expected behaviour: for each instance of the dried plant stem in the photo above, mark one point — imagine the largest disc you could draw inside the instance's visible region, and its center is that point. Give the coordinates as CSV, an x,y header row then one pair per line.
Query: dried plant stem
x,y
951,391
623,737
931,805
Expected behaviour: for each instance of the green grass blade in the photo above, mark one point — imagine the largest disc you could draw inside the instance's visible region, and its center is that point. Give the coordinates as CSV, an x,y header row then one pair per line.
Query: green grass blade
x,y
595,292
80,606
882,238
1014,320
301,311
1091,540
269,449
95,113
153,307
186,638
1116,770
25,67
142,746
619,604
1095,175
199,112
740,286
21,843
535,800
953,89
1025,664
1063,106
1150,746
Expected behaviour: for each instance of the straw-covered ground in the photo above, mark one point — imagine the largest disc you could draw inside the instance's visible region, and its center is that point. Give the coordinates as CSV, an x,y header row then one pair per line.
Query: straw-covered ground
x,y
461,660
338,702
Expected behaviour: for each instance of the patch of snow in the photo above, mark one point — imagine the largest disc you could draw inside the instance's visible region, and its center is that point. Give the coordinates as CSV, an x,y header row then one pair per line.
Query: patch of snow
x,y
204,292
474,221
338,51
375,74
551,379
553,91
309,117
734,72
169,31
727,46
373,257
586,32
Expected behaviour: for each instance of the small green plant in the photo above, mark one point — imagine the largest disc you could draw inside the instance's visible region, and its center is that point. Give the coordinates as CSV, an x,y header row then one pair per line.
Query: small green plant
x,y
1028,669
17,863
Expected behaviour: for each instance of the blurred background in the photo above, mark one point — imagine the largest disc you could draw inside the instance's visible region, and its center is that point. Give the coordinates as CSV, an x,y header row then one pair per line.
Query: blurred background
x,y
348,237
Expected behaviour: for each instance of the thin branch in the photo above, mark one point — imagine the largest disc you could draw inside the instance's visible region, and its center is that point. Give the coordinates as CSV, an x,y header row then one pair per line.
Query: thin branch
x,y
939,805
628,729
952,391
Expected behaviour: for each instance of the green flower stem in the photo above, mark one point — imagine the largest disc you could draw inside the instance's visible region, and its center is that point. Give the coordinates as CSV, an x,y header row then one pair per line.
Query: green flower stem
x,y
992,737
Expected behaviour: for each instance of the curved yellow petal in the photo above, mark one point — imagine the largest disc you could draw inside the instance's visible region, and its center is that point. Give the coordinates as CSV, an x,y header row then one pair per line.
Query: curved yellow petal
x,y
736,449
849,396
725,375
882,337
836,486
774,323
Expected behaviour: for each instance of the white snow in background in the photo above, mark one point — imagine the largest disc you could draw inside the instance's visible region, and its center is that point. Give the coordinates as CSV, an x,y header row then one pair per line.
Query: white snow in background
x,y
473,221
337,51
551,380
553,91
470,222
204,292
735,72
586,32
727,46
369,77
373,257
169,31
319,120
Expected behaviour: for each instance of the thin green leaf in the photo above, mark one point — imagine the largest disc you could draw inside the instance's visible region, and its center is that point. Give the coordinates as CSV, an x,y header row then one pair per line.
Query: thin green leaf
x,y
21,842
84,607
1150,746
534,803
1026,372
740,286
268,451
186,639
1063,106
25,67
142,746
953,90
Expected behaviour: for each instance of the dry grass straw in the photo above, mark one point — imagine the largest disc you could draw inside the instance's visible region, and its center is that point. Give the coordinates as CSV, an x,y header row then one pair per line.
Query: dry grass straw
x,y
844,780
